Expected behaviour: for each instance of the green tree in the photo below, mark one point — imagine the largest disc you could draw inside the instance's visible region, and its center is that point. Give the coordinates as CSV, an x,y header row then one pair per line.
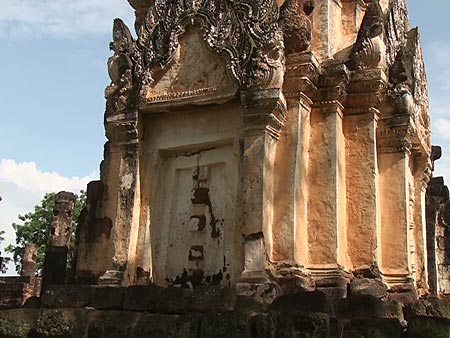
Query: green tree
x,y
35,225
3,260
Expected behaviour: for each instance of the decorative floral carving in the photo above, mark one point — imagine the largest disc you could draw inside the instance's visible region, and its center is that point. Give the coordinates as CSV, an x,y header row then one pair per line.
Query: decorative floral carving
x,y
238,29
369,49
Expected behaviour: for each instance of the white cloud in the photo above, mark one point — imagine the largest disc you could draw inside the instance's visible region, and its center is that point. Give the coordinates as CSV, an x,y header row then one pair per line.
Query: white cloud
x,y
27,176
442,126
22,186
30,18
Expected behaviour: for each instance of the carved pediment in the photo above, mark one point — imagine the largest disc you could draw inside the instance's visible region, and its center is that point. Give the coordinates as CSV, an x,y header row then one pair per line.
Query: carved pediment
x,y
195,75
245,31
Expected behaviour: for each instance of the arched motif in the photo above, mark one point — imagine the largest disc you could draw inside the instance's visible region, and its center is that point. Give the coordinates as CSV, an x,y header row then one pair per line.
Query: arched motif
x,y
239,29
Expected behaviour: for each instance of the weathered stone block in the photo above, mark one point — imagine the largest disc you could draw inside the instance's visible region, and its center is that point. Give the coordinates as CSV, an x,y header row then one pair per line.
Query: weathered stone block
x,y
334,292
157,300
11,294
432,307
405,294
61,323
250,304
213,298
361,306
334,287
107,298
298,324
18,323
166,326
368,286
373,328
66,296
112,324
307,302
428,327
224,325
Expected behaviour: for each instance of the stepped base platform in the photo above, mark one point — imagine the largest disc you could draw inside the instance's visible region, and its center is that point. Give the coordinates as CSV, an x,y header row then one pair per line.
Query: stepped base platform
x,y
78,311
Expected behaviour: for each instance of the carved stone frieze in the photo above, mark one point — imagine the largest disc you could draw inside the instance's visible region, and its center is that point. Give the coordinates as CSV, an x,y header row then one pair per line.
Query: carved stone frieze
x,y
366,90
122,129
265,110
333,83
247,32
302,75
395,134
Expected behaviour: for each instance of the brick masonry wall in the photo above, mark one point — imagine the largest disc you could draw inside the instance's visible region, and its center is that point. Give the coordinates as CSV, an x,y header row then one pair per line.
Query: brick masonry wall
x,y
14,291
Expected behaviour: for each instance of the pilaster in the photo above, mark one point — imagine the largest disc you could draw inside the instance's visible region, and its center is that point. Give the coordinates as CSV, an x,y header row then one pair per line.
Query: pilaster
x,y
121,130
327,240
264,116
396,246
365,93
290,232
326,28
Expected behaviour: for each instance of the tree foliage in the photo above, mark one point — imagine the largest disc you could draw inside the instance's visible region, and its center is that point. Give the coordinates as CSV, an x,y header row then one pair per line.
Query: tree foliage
x,y
3,260
35,226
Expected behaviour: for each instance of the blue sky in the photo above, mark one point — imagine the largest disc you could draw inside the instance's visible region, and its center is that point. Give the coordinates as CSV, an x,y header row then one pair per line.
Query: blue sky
x,y
54,55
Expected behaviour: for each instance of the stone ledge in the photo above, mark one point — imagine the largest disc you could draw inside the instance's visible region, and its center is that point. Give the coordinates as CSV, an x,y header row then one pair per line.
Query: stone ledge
x,y
151,311
90,323
149,298
431,307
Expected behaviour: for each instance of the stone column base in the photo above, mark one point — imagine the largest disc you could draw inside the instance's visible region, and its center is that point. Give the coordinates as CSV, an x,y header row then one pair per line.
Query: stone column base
x,y
111,277
258,286
293,279
401,287
332,280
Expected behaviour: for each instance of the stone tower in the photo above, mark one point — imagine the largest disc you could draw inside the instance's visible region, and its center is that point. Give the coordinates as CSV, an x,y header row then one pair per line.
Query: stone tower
x,y
263,145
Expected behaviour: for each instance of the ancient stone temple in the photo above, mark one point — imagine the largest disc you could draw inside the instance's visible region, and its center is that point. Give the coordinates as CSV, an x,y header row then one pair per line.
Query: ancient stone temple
x,y
259,143
265,175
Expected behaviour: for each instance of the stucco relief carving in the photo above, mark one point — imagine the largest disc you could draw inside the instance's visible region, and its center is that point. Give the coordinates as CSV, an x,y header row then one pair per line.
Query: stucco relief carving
x,y
400,80
120,69
369,49
395,134
419,88
409,92
267,66
237,29
396,28
195,73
